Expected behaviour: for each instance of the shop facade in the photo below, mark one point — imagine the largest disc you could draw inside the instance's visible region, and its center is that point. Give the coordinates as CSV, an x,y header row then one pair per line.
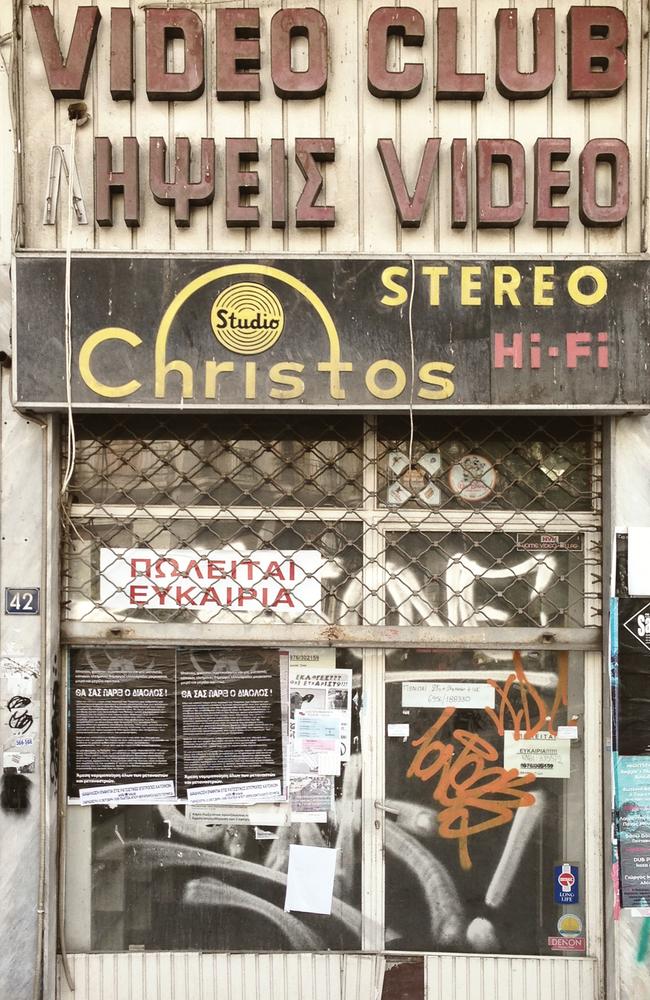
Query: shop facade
x,y
327,374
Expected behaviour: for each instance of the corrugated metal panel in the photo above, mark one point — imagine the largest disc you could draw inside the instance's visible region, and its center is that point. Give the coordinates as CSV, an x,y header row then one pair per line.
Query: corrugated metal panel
x,y
470,977
193,976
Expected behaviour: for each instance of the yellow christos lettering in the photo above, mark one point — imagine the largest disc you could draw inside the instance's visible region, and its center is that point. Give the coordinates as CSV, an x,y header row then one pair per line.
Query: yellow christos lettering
x,y
400,294
399,379
85,357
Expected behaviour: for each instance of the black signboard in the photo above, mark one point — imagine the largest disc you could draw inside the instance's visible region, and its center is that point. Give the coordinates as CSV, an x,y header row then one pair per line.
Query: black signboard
x,y
165,333
149,725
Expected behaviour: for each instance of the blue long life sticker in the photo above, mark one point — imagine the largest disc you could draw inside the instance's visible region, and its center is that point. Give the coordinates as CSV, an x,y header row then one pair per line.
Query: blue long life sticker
x,y
566,884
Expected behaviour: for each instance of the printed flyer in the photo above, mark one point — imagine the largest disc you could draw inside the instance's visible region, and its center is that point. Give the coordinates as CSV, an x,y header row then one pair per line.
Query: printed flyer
x,y
230,727
633,793
320,698
122,726
545,756
189,725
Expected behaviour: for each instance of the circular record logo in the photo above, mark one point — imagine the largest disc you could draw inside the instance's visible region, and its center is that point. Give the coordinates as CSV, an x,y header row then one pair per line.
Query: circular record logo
x,y
569,925
247,318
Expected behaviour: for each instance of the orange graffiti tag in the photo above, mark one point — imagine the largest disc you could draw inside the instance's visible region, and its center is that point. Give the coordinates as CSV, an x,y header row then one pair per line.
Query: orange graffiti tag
x,y
534,714
466,783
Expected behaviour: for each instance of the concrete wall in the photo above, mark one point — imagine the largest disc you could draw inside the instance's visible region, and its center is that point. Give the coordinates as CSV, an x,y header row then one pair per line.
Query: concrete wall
x,y
28,664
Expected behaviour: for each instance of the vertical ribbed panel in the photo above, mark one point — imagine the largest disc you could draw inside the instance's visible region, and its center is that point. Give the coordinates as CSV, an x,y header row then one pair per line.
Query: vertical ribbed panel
x,y
469,977
192,976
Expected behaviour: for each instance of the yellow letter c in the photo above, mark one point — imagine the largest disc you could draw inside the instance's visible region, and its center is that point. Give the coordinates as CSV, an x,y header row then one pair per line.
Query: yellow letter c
x,y
85,354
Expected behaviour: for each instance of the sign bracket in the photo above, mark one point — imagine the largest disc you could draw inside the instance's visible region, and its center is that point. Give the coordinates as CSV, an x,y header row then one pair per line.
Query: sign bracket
x,y
58,163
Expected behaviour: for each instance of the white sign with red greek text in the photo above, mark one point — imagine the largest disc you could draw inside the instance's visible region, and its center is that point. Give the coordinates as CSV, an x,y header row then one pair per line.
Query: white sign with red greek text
x,y
266,580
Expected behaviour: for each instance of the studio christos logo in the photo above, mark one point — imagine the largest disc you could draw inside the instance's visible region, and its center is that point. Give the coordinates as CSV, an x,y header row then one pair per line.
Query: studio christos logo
x,y
247,318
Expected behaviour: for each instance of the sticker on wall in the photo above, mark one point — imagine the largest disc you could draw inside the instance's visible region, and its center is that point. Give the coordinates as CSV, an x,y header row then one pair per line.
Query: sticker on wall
x,y
546,542
310,656
413,480
19,713
574,944
321,693
545,756
638,625
569,925
309,795
399,730
566,884
134,793
567,732
473,478
243,792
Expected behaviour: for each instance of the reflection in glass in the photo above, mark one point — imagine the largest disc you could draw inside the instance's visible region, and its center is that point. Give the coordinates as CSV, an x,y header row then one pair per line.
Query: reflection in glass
x,y
481,578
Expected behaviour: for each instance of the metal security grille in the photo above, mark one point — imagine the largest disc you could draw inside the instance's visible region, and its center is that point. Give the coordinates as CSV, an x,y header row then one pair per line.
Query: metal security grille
x,y
335,521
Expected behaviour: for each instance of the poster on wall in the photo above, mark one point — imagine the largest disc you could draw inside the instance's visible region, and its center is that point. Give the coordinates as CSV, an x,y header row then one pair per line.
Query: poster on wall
x,y
633,794
230,726
630,678
320,703
165,725
633,676
122,740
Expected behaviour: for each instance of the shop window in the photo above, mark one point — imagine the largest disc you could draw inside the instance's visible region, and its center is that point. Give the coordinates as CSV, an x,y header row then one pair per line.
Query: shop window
x,y
469,521
471,845
388,547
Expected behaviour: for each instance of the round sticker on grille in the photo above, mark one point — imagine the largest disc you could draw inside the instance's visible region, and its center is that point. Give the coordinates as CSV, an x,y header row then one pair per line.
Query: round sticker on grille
x,y
473,478
247,318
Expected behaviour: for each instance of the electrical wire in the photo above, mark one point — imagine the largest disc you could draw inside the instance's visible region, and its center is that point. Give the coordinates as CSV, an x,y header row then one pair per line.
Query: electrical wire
x,y
71,438
410,319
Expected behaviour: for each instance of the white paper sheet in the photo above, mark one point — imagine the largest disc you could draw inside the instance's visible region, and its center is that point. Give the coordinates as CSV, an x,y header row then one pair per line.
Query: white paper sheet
x,y
216,815
148,791
544,756
269,814
310,880
567,732
310,658
263,814
398,729
329,762
249,792
313,817
433,694
638,562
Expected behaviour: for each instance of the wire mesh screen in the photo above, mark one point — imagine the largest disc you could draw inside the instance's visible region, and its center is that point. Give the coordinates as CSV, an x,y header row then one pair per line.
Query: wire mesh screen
x,y
335,520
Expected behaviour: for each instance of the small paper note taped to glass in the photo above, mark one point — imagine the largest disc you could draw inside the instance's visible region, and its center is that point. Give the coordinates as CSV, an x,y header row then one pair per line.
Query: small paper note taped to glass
x,y
310,881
